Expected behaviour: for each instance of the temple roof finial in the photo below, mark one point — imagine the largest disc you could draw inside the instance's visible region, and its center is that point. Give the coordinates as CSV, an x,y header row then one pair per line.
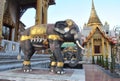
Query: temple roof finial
x,y
94,19
93,7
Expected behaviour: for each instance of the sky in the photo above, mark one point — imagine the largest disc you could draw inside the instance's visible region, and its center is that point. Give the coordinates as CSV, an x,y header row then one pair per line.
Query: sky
x,y
79,11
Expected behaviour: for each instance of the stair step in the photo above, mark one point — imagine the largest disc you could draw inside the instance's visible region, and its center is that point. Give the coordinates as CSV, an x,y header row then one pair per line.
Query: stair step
x,y
19,65
11,62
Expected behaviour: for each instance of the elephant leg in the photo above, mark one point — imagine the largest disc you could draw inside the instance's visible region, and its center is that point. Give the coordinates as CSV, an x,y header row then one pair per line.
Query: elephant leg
x,y
59,58
28,51
53,64
57,61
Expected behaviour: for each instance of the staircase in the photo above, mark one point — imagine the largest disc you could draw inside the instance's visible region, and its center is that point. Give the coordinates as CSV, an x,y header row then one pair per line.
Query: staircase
x,y
10,62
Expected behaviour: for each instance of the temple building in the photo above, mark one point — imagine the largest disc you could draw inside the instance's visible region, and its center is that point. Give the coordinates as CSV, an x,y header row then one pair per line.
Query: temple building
x,y
10,13
96,37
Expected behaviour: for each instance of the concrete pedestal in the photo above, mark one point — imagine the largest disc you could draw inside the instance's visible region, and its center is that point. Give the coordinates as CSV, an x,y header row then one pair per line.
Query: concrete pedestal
x,y
43,74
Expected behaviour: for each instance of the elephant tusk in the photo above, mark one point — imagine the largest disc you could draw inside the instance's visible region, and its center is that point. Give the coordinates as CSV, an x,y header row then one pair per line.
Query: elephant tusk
x,y
77,42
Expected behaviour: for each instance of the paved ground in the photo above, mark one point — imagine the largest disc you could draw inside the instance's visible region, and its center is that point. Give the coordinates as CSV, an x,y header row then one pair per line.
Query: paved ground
x,y
95,73
43,74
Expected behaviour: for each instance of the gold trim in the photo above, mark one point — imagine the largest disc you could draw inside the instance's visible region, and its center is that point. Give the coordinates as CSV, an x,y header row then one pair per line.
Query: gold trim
x,y
38,30
74,50
54,37
60,64
65,58
45,42
26,62
69,22
74,58
53,63
25,37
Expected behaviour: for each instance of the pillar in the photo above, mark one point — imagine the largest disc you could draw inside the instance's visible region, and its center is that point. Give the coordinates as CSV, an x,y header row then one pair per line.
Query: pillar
x,y
38,20
107,65
92,43
103,47
17,25
93,60
103,52
88,52
2,4
45,12
107,48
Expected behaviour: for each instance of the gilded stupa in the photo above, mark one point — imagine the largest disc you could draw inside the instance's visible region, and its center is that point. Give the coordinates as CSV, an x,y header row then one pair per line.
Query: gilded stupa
x,y
94,19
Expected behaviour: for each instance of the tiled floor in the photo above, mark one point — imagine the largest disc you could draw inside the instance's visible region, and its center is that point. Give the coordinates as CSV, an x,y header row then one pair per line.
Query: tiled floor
x,y
94,73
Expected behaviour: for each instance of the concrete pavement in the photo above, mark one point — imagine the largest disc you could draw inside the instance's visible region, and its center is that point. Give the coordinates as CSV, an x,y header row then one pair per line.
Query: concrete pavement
x,y
43,74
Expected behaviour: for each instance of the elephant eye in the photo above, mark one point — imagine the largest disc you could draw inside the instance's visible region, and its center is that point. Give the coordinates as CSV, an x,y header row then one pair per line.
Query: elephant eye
x,y
66,29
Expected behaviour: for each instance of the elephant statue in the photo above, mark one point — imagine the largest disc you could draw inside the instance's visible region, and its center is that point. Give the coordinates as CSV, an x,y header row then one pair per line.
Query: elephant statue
x,y
42,36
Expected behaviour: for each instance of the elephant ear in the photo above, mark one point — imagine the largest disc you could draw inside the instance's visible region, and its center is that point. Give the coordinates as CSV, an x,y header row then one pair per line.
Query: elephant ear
x,y
61,27
59,30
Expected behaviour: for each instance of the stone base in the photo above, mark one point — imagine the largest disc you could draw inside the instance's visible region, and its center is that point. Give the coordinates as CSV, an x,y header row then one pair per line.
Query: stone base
x,y
43,74
78,66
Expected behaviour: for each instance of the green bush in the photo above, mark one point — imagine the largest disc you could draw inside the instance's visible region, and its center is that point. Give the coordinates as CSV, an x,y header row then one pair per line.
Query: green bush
x,y
93,60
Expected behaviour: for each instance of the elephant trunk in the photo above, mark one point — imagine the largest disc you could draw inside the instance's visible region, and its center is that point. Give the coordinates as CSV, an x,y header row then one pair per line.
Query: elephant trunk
x,y
78,54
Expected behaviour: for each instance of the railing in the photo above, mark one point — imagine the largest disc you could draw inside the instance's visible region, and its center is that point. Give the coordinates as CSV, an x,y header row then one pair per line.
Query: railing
x,y
112,65
10,48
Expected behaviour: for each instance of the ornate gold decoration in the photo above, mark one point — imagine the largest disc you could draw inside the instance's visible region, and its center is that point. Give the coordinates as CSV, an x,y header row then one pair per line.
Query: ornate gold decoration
x,y
18,57
69,22
54,37
26,62
94,19
74,50
65,58
92,43
38,30
53,63
2,4
25,37
39,6
60,64
71,49
45,42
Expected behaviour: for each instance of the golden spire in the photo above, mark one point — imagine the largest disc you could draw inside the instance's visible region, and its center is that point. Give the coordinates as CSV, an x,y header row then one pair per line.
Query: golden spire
x,y
94,19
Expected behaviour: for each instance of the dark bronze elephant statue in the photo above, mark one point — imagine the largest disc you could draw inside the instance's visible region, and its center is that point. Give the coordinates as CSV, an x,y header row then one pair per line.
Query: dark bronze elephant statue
x,y
38,37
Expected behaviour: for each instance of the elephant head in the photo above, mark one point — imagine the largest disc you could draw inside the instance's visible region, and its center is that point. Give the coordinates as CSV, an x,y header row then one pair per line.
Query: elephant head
x,y
69,31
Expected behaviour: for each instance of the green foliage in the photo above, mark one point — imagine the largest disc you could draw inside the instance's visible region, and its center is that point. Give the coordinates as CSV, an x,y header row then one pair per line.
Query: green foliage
x,y
98,60
102,61
111,67
93,60
106,64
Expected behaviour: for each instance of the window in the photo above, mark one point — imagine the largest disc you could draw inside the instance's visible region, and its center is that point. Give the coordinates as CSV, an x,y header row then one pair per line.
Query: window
x,y
107,32
6,32
97,49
